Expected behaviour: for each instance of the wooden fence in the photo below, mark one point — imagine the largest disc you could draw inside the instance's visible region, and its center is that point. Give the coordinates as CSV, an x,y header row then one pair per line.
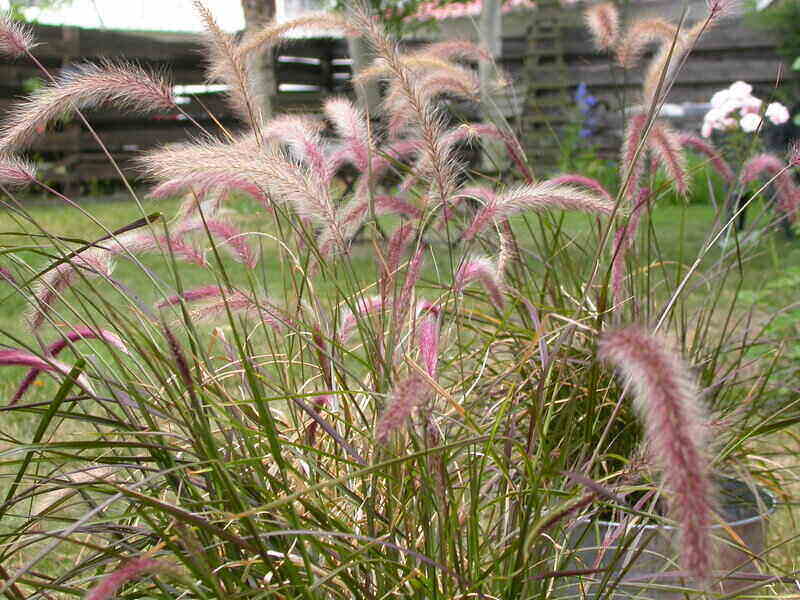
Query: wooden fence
x,y
309,70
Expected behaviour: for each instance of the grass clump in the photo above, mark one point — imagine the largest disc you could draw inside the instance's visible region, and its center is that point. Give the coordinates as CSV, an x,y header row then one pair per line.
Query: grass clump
x,y
386,389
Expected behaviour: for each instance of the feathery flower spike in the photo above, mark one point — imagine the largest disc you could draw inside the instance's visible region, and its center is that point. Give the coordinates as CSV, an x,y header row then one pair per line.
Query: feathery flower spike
x,y
603,21
84,86
16,172
676,429
538,196
16,39
22,358
406,396
128,571
78,333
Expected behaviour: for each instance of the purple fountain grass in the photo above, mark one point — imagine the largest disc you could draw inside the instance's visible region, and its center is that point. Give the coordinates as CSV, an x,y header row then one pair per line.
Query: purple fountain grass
x,y
485,271
54,349
479,131
143,242
582,180
16,172
301,134
131,570
603,23
6,275
396,105
397,246
794,153
786,189
84,86
457,50
225,64
16,38
194,295
668,150
424,115
348,322
413,273
15,357
241,305
632,165
695,142
272,34
428,336
350,124
405,397
352,216
543,195
234,240
623,241
639,35
90,264
675,427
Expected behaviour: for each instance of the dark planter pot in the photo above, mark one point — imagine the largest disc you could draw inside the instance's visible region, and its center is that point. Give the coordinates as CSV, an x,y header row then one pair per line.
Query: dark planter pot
x,y
641,559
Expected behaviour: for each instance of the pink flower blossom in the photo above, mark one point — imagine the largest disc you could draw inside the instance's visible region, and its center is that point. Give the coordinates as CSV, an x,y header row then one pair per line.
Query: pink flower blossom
x,y
750,122
777,113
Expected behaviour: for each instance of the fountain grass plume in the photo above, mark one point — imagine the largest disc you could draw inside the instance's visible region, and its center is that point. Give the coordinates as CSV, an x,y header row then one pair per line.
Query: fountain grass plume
x,y
16,357
428,336
16,172
539,196
272,34
89,264
237,304
349,320
16,38
631,163
603,23
130,570
639,35
668,150
233,240
485,271
194,295
54,349
302,135
457,50
86,85
582,180
676,430
424,115
350,124
698,144
225,64
786,189
406,396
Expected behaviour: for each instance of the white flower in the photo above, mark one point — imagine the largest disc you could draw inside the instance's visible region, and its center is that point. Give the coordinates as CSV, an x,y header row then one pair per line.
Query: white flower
x,y
706,130
750,122
777,113
720,98
740,90
751,104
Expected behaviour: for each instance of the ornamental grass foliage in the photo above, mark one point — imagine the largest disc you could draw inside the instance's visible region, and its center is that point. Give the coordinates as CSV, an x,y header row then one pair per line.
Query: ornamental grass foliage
x,y
397,387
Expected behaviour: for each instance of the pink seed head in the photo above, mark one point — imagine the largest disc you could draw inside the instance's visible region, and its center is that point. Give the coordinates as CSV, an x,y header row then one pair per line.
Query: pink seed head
x,y
16,39
676,428
129,571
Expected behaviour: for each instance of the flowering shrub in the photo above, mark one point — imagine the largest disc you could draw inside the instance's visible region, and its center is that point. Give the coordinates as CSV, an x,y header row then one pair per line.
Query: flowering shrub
x,y
736,108
317,419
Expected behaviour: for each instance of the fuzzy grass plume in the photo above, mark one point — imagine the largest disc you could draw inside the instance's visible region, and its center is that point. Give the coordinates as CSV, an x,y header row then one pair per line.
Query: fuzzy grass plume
x,y
676,431
87,85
